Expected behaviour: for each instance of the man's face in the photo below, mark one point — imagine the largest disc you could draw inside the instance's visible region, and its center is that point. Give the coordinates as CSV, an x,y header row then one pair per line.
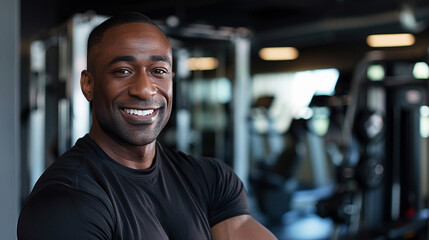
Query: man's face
x,y
132,73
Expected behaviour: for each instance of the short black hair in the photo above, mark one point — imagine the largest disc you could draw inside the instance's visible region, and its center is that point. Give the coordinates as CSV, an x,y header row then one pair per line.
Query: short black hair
x,y
126,17
123,18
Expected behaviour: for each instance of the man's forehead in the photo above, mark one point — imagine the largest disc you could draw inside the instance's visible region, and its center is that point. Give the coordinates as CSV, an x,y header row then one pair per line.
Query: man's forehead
x,y
115,38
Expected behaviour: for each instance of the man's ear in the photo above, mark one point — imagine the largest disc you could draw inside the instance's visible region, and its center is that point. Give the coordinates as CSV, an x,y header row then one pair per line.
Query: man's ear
x,y
87,85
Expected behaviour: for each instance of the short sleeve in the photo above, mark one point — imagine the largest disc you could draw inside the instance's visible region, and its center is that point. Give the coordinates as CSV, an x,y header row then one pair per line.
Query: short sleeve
x,y
60,212
228,196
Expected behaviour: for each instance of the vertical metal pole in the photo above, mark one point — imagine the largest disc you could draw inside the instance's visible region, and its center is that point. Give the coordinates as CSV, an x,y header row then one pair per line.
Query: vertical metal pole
x,y
64,102
182,113
241,106
36,134
80,110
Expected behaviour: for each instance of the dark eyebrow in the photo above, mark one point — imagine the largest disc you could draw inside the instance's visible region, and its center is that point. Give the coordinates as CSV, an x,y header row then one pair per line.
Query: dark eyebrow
x,y
122,59
153,58
157,58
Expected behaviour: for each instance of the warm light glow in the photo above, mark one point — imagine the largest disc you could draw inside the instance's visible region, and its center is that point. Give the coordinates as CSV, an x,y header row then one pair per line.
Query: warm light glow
x,y
202,63
390,40
278,53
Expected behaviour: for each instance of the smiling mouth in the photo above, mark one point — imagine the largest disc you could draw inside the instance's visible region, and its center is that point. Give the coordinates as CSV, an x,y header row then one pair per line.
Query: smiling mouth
x,y
139,112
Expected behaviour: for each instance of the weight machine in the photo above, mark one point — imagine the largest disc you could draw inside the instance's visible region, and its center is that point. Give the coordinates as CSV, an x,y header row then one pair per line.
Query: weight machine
x,y
381,190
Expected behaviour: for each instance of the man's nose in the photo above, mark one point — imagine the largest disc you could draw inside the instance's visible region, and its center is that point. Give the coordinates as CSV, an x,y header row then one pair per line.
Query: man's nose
x,y
142,87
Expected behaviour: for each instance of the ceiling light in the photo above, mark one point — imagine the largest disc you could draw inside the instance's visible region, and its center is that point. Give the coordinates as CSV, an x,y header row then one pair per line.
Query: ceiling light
x,y
278,53
202,63
390,40
375,72
421,70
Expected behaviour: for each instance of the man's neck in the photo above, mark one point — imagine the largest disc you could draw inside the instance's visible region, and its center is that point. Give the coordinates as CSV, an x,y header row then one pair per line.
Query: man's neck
x,y
135,157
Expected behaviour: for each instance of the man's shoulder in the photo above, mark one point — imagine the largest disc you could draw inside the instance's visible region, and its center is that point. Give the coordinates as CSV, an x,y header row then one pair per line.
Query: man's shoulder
x,y
77,169
67,168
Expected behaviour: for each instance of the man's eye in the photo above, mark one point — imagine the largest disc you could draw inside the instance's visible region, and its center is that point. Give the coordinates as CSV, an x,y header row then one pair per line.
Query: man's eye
x,y
159,71
122,71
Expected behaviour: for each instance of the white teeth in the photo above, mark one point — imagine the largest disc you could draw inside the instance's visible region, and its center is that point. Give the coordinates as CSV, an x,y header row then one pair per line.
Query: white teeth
x,y
139,112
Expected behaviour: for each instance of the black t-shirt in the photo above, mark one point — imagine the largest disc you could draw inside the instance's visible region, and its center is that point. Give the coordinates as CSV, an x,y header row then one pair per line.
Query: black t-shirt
x,y
87,195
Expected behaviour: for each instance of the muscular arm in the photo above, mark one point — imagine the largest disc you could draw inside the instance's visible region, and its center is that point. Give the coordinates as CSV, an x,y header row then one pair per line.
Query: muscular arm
x,y
242,227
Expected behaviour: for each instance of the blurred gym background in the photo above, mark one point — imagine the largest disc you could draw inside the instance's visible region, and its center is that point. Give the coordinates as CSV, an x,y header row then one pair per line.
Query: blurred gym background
x,y
320,106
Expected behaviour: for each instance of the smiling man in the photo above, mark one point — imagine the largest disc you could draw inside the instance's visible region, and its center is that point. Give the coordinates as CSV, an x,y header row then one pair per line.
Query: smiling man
x,y
118,182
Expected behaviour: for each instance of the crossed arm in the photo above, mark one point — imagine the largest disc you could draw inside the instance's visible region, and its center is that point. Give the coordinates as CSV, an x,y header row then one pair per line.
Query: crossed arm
x,y
243,227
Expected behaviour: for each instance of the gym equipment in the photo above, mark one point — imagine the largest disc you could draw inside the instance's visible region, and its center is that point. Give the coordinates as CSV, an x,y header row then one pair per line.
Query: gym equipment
x,y
274,177
384,154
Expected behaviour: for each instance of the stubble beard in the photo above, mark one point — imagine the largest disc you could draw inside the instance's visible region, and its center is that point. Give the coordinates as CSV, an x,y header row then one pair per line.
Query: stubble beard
x,y
135,135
